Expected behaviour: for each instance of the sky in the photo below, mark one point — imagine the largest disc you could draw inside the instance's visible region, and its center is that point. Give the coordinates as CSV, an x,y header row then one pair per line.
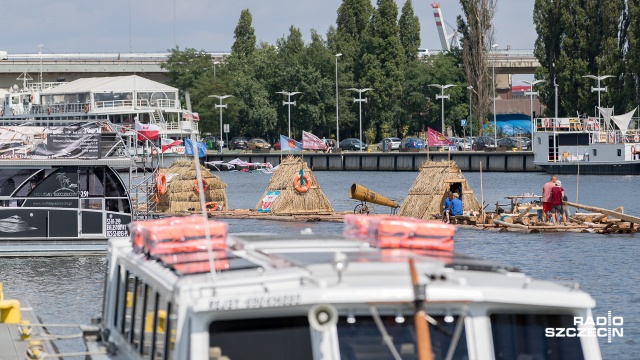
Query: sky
x,y
75,26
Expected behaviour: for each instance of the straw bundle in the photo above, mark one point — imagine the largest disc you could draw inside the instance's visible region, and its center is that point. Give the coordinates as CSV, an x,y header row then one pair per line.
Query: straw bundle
x,y
181,196
428,192
290,201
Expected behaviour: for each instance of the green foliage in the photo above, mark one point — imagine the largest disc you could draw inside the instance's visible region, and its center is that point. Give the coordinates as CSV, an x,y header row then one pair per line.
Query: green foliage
x,y
245,36
409,32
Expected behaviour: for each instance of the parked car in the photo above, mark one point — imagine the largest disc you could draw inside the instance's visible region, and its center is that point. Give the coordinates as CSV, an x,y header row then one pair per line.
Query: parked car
x,y
257,144
460,143
352,144
412,143
512,142
238,142
394,143
482,142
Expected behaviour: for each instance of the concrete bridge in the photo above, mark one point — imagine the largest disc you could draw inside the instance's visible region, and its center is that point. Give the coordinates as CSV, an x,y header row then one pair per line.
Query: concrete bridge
x,y
55,67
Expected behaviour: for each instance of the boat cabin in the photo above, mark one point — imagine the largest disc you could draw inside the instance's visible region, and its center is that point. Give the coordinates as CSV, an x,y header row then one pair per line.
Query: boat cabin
x,y
313,296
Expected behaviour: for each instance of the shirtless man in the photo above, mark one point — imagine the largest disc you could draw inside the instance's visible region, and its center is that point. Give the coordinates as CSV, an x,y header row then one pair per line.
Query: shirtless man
x,y
546,198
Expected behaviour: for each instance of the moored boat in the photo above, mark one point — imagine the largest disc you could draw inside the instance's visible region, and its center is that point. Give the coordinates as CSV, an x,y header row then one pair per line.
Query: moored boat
x,y
172,294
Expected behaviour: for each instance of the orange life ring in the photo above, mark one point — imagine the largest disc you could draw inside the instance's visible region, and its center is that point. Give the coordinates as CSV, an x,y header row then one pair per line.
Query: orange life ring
x,y
161,186
302,188
205,185
211,206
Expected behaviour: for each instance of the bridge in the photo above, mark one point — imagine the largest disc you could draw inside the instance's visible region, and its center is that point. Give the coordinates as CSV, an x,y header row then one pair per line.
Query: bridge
x,y
55,67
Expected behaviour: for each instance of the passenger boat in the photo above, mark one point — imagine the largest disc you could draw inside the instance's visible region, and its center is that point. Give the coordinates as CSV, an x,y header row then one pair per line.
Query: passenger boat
x,y
588,145
387,288
69,165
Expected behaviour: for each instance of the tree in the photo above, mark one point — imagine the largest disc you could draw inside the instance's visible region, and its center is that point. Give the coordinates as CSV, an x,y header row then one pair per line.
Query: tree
x,y
477,40
244,35
409,32
185,67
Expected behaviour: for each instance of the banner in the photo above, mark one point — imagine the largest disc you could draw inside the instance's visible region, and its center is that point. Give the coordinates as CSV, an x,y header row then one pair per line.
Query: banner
x,y
287,144
188,148
437,139
265,205
59,142
147,131
312,142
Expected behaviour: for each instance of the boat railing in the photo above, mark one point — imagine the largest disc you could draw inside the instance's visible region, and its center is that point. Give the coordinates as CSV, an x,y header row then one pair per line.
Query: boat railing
x,y
180,126
81,107
38,87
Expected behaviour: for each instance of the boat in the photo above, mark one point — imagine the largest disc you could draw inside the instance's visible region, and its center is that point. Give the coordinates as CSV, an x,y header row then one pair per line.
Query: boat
x,y
387,288
71,174
588,145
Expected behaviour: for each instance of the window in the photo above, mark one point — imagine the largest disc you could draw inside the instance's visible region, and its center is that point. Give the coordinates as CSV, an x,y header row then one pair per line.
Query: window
x,y
619,152
362,339
519,336
91,180
595,152
272,338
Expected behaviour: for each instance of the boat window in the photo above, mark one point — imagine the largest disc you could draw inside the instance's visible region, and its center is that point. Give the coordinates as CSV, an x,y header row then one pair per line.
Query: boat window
x,y
619,152
118,292
61,182
92,204
272,338
146,320
595,152
520,336
156,341
91,180
138,311
361,338
12,178
113,185
132,283
170,331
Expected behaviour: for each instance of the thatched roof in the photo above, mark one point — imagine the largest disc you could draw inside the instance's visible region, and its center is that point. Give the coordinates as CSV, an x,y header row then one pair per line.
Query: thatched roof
x,y
289,201
428,192
181,196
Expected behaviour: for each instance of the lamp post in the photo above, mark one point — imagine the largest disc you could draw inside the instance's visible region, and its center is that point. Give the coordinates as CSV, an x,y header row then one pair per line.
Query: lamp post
x,y
442,96
493,83
337,125
220,106
289,103
359,100
531,93
598,89
470,88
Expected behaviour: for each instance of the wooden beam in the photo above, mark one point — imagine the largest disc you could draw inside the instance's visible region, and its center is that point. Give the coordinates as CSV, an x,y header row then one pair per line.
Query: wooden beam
x,y
617,215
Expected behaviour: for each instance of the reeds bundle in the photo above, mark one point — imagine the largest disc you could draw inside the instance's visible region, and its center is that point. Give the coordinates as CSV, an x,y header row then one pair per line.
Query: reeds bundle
x,y
181,195
428,192
290,201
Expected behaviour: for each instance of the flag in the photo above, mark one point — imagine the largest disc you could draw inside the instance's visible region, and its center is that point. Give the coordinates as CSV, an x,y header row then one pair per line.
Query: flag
x,y
188,148
188,115
147,131
167,143
312,142
437,139
289,144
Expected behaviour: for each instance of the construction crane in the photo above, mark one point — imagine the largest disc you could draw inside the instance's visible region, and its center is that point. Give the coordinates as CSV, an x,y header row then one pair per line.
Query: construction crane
x,y
447,41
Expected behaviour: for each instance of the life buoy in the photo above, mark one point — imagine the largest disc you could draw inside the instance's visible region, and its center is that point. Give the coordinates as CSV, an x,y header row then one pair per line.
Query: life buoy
x,y
211,206
86,108
161,186
205,185
302,188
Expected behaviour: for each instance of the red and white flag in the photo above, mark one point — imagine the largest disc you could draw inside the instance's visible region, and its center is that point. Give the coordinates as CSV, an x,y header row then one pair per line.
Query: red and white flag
x,y
187,115
167,143
312,142
147,131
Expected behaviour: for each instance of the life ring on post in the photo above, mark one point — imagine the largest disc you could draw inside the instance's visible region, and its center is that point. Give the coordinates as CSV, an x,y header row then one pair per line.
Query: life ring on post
x,y
161,186
211,206
302,187
205,185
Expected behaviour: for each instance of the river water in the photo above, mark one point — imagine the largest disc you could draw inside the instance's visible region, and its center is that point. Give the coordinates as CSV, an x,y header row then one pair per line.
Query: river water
x,y
69,290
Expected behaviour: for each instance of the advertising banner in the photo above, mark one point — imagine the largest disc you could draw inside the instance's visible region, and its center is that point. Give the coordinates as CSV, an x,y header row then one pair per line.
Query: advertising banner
x,y
437,139
265,205
59,142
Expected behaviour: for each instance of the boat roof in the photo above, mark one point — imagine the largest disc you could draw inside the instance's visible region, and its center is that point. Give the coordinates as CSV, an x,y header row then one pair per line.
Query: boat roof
x,y
305,266
108,84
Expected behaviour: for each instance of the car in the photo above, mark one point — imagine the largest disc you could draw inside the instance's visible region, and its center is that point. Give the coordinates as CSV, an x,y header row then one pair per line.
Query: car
x,y
352,144
238,142
258,144
482,142
412,143
393,141
513,142
460,143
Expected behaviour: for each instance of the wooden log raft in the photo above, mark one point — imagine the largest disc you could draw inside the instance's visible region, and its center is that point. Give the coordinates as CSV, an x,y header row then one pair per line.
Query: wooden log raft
x,y
607,212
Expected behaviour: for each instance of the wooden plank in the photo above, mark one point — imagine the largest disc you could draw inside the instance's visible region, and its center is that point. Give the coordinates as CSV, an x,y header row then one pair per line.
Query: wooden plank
x,y
617,215
506,224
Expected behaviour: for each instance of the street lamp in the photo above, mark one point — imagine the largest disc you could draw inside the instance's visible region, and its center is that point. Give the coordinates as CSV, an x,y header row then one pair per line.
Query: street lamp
x,y
598,89
289,102
493,83
337,126
443,96
220,106
214,69
359,100
531,93
470,88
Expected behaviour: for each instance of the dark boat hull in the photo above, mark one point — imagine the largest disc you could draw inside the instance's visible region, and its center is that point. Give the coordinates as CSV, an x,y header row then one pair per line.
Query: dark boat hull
x,y
630,168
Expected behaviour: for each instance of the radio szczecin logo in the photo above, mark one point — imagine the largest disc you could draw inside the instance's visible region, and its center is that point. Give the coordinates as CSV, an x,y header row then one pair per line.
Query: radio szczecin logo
x,y
599,326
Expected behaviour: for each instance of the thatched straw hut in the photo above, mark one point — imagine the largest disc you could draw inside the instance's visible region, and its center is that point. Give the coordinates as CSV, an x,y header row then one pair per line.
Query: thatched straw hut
x,y
428,192
289,201
181,196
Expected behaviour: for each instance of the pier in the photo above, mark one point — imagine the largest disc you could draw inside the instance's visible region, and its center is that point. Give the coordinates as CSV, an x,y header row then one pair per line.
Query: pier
x,y
508,161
